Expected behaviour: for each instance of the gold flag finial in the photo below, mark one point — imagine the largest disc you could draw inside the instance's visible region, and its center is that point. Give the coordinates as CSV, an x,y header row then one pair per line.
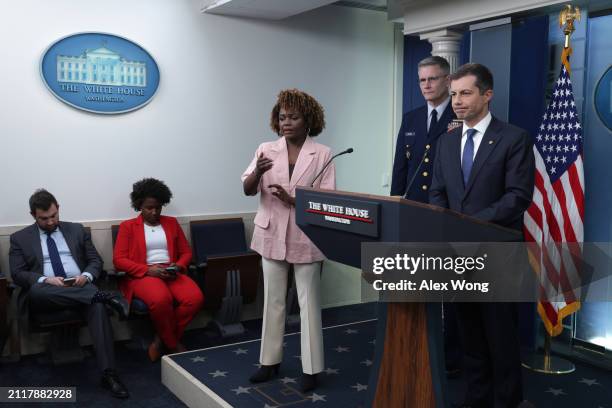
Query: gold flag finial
x,y
566,21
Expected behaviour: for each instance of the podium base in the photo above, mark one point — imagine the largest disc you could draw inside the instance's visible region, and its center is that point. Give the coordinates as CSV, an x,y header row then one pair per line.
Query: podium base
x,y
547,364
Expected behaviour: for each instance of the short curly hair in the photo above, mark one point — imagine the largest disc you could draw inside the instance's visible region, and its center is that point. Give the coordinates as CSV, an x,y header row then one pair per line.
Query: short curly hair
x,y
314,116
149,188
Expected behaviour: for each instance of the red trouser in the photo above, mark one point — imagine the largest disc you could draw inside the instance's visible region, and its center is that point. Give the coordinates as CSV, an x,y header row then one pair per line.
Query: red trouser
x,y
161,295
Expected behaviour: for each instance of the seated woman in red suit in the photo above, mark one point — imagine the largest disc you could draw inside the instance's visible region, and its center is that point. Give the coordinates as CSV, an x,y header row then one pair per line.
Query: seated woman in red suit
x,y
153,251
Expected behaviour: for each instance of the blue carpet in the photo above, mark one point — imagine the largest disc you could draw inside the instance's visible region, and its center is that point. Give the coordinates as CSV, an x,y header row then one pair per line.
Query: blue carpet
x,y
348,353
585,387
588,386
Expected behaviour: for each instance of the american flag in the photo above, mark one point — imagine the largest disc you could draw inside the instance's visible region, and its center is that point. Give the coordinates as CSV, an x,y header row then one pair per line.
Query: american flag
x,y
555,218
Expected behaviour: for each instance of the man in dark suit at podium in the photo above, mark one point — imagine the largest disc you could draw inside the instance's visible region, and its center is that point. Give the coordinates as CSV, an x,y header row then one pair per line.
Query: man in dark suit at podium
x,y
420,130
485,169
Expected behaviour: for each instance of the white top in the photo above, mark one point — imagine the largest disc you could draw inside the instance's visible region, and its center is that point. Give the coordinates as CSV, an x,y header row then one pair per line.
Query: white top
x,y
481,128
439,109
157,245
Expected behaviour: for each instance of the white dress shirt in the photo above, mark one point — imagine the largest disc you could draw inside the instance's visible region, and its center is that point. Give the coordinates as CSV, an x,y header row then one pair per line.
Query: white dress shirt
x,y
481,128
439,109
70,266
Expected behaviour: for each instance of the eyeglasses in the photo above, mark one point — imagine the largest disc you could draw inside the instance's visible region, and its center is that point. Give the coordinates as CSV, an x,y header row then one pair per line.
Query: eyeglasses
x,y
429,79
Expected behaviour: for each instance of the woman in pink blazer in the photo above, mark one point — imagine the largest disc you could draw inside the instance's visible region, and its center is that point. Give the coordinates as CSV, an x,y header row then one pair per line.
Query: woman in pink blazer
x,y
276,170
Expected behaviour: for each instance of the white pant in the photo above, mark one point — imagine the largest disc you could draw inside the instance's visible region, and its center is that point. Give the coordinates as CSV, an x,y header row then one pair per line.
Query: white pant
x,y
307,280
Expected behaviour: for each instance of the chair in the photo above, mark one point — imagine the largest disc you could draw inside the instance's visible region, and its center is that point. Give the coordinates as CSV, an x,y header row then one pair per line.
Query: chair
x,y
228,272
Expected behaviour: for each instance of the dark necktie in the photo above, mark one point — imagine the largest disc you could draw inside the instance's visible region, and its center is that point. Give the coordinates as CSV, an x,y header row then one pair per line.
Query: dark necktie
x,y
54,256
433,122
468,156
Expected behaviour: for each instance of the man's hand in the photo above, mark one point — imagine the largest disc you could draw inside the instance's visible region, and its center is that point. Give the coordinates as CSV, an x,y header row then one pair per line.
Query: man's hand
x,y
55,281
80,281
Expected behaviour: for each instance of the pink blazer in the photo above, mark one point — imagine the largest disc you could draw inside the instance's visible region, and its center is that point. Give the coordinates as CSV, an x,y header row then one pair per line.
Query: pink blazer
x,y
276,235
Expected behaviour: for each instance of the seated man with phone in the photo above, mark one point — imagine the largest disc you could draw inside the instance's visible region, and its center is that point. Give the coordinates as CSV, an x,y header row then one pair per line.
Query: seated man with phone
x,y
56,264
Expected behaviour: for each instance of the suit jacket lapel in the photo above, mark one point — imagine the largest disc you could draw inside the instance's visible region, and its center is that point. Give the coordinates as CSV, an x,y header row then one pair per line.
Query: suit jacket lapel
x,y
455,161
139,237
37,244
487,144
169,231
281,161
70,241
307,154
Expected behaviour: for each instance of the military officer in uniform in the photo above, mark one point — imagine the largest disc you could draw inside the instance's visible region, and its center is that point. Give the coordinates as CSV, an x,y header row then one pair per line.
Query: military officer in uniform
x,y
413,168
421,127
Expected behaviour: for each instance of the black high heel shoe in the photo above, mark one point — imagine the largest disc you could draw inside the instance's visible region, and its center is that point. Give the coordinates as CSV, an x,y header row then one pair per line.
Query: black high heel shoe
x,y
309,382
265,373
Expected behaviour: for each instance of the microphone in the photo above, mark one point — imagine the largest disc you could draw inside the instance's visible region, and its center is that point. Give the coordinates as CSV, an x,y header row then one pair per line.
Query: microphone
x,y
417,170
349,150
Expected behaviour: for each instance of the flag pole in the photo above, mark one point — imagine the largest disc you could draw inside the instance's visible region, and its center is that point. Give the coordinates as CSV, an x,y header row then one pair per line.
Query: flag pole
x,y
547,363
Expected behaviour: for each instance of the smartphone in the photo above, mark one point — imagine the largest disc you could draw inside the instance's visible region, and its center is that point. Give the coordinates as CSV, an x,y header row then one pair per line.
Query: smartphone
x,y
172,269
69,281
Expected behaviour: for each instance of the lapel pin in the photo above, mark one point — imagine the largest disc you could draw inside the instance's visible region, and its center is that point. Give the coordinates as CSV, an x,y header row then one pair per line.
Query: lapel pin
x,y
490,142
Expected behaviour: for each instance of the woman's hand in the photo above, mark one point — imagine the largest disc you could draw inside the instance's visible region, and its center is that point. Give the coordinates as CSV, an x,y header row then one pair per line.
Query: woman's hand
x,y
263,164
179,268
282,194
251,183
158,271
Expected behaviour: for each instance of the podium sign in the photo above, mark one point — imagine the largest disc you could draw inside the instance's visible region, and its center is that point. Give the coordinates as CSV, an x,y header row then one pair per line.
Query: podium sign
x,y
351,215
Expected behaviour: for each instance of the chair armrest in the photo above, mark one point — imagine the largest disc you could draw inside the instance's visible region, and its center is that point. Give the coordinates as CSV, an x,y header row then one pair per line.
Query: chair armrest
x,y
115,274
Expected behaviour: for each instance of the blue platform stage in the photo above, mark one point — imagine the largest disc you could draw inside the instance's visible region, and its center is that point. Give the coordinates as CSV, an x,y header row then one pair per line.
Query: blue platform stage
x,y
218,376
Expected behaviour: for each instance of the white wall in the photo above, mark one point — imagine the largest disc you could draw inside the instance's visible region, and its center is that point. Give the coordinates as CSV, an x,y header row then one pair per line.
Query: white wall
x,y
219,79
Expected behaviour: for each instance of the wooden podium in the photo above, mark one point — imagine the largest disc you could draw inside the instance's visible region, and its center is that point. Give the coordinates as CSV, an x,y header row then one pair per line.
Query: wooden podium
x,y
408,368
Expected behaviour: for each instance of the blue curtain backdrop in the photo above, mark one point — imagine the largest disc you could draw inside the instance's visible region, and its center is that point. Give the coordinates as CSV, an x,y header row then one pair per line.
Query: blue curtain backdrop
x,y
527,103
528,72
414,51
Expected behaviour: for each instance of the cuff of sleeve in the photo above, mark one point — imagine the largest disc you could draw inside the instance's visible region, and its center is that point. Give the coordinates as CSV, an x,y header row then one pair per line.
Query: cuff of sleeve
x,y
42,279
89,276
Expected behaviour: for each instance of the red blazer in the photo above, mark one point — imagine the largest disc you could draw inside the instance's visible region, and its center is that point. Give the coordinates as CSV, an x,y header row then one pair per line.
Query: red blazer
x,y
130,253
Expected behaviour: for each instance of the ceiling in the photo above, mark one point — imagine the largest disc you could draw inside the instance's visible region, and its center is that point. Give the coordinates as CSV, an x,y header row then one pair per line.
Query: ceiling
x,y
279,9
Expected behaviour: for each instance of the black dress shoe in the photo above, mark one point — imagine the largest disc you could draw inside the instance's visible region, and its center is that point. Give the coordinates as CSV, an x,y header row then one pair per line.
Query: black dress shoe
x,y
113,299
120,305
265,373
309,382
111,381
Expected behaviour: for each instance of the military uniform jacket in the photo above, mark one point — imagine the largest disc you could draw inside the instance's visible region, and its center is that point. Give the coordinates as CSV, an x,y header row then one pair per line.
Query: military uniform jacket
x,y
410,147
